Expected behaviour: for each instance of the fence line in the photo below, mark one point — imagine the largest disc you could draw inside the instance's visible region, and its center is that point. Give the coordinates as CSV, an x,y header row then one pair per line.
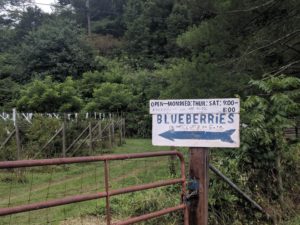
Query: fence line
x,y
11,116
70,137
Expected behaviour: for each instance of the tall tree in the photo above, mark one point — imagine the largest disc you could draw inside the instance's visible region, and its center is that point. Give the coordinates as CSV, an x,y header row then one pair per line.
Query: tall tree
x,y
29,20
56,48
246,39
146,24
105,15
11,10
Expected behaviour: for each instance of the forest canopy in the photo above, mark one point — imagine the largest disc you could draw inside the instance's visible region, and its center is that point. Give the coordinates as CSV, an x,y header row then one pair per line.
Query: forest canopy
x,y
150,49
115,55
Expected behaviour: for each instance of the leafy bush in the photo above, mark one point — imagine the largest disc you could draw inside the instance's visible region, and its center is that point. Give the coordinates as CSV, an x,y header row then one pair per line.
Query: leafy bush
x,y
266,154
266,165
49,96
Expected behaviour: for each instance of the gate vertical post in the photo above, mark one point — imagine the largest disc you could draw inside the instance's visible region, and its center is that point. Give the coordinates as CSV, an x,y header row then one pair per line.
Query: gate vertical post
x,y
198,205
106,181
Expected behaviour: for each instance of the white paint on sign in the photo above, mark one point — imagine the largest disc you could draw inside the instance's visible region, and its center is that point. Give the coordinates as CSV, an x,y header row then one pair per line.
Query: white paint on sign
x,y
196,122
228,105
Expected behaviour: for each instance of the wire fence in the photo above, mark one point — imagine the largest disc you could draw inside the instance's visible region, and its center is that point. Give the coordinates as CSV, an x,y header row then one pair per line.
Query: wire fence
x,y
34,184
33,136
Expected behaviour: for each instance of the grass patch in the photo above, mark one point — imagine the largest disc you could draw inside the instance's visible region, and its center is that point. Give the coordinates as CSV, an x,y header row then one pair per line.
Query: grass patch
x,y
52,182
294,221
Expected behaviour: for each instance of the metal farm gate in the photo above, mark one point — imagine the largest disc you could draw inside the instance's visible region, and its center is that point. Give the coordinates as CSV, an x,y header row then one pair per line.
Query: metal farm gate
x,y
107,193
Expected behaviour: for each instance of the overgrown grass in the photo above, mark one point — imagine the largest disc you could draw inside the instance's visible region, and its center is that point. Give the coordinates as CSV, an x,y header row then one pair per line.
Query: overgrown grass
x,y
52,182
294,221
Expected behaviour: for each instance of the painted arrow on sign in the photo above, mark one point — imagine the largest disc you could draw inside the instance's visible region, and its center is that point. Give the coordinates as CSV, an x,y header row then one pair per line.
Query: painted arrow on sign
x,y
224,136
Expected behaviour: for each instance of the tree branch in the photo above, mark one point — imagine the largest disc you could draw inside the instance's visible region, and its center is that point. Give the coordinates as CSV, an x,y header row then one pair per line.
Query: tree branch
x,y
283,68
260,48
274,42
251,9
292,48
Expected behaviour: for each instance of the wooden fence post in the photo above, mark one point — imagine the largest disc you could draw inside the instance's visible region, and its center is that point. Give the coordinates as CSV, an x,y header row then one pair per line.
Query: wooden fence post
x,y
198,207
112,132
18,140
91,137
109,135
124,130
64,137
100,133
120,131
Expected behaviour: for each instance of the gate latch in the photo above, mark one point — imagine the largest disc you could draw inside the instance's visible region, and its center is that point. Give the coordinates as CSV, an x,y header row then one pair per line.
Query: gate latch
x,y
193,187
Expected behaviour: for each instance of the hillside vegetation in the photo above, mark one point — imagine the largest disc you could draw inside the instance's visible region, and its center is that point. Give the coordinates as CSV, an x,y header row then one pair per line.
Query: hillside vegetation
x,y
116,55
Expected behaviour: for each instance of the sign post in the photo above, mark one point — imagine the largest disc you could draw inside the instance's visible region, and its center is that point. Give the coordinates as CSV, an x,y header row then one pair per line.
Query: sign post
x,y
199,124
198,173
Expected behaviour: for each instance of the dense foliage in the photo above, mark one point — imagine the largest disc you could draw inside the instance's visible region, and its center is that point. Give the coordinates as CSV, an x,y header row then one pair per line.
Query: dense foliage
x,y
141,50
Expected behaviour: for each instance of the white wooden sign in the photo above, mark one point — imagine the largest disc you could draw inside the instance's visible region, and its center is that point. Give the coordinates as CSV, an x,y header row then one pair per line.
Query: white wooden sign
x,y
196,122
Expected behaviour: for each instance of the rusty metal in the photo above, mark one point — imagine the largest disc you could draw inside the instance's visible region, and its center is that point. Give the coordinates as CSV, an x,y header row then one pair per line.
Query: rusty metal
x,y
198,203
50,203
151,215
85,197
106,178
107,193
61,161
236,188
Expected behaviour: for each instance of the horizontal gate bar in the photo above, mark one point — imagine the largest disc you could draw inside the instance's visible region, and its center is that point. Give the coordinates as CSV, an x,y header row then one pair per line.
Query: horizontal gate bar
x,y
151,215
107,193
86,197
50,203
61,161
